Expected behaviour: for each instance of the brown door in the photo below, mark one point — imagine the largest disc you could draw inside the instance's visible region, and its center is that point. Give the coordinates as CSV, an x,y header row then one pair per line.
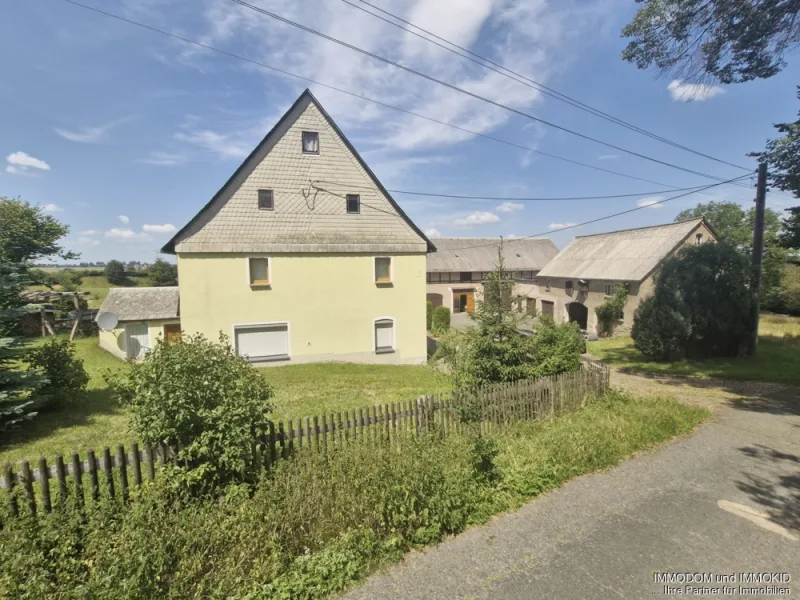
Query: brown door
x,y
463,301
172,332
548,309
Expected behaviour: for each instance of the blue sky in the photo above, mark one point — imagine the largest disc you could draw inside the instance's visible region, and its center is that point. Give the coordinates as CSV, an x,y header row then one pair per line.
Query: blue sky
x,y
124,134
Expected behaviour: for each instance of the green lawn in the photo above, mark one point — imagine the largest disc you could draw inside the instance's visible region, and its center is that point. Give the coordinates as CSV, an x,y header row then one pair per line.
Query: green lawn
x,y
777,359
300,390
98,285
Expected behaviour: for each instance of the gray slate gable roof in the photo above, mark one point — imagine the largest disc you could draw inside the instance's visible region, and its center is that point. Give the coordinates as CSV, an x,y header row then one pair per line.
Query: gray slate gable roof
x,y
627,255
247,166
142,303
455,254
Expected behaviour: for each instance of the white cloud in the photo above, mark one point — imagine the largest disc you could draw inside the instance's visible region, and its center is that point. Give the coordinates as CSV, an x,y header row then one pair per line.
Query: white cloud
x,y
89,232
477,218
89,135
507,207
608,157
87,241
164,159
560,225
651,202
20,163
433,232
124,220
223,145
511,236
52,208
688,92
533,37
167,228
127,235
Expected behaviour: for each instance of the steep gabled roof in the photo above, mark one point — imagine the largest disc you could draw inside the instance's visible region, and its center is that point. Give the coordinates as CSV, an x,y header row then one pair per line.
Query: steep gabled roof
x,y
142,303
458,254
627,255
295,231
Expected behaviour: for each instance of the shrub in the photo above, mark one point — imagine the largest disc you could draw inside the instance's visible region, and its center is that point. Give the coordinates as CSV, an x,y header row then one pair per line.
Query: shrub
x,y
440,320
203,397
701,306
162,274
115,272
612,309
66,376
428,315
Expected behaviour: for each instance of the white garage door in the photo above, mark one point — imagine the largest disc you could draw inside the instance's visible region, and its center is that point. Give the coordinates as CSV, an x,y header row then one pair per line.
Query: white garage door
x,y
260,342
138,340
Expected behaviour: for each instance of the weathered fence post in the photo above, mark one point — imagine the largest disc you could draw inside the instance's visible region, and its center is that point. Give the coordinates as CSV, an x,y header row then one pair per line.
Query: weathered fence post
x,y
27,484
44,481
12,499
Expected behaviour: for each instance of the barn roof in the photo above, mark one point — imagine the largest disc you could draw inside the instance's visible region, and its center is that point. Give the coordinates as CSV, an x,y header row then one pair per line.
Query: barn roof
x,y
627,255
480,254
142,303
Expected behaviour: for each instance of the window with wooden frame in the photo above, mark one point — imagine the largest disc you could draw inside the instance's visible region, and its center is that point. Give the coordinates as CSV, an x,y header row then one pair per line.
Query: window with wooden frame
x,y
266,200
383,269
258,271
353,204
310,142
698,239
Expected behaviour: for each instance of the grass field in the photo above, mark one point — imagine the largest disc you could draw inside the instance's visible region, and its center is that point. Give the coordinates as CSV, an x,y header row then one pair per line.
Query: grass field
x,y
98,286
300,390
777,359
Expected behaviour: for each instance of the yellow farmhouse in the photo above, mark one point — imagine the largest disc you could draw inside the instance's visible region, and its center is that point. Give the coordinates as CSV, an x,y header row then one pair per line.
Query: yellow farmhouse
x,y
303,256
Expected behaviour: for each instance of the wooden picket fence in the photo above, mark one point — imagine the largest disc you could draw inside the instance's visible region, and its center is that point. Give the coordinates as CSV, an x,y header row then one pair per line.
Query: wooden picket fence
x,y
498,405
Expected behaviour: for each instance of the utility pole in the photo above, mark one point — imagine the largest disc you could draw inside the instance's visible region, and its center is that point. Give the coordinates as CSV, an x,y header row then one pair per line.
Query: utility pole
x,y
758,249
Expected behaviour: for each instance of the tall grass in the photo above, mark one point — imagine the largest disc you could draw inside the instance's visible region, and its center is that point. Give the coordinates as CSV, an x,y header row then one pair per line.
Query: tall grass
x,y
319,521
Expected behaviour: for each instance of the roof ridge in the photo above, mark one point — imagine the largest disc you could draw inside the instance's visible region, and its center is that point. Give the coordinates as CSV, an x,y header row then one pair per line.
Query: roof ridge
x,y
698,219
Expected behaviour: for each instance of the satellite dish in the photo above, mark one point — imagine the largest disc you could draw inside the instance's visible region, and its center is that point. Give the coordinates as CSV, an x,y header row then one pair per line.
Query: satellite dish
x,y
107,321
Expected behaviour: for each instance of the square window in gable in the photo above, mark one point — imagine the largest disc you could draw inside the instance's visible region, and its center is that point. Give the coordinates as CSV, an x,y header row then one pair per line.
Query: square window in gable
x,y
353,204
266,200
310,142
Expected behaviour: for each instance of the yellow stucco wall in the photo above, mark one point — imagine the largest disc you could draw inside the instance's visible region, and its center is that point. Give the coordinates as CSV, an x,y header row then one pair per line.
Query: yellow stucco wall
x,y
329,300
114,341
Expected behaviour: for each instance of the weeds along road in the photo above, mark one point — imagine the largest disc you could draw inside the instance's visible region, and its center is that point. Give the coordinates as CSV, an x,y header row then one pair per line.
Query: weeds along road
x,y
724,500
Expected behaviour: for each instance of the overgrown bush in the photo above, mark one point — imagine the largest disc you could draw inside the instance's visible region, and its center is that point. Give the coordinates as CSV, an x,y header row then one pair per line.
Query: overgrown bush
x,y
66,376
202,397
440,320
612,309
701,306
428,315
786,298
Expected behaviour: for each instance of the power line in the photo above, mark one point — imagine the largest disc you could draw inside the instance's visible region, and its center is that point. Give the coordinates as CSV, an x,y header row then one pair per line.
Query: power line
x,y
516,198
524,80
624,212
362,97
467,92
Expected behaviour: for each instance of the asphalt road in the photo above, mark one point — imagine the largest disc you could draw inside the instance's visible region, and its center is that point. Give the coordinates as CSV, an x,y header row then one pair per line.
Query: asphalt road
x,y
724,500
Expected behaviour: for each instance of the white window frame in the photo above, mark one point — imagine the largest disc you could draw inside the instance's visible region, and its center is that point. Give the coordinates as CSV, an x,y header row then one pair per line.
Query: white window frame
x,y
375,270
609,289
272,197
287,356
347,204
375,337
247,271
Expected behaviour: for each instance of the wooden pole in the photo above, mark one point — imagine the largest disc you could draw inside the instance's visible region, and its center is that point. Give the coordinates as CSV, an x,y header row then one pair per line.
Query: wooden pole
x,y
758,251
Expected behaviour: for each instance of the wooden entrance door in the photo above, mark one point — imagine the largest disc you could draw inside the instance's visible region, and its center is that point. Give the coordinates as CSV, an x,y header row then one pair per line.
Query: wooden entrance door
x,y
172,332
548,309
463,301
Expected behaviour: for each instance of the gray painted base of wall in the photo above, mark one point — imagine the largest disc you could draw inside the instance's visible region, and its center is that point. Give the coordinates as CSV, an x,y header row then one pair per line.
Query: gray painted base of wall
x,y
367,358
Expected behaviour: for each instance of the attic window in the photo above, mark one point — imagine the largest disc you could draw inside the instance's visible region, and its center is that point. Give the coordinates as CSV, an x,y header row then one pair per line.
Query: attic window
x,y
310,142
698,239
265,200
353,204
